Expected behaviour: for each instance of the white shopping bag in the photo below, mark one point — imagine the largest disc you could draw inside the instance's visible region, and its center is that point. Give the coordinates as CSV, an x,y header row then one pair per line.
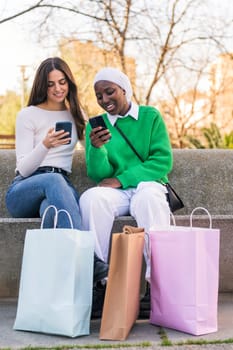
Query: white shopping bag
x,y
55,294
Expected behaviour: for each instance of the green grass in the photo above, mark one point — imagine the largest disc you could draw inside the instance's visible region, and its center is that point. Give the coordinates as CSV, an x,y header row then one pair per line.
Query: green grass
x,y
205,342
166,342
88,346
164,338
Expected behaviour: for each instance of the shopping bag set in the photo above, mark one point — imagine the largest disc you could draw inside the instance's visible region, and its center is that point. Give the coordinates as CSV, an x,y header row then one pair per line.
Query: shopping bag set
x,y
55,294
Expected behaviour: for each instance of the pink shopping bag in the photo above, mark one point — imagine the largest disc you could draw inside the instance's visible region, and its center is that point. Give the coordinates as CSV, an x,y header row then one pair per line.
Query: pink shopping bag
x,y
184,277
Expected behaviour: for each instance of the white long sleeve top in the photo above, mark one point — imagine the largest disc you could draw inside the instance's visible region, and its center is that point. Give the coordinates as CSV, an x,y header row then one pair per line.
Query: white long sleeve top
x,y
32,125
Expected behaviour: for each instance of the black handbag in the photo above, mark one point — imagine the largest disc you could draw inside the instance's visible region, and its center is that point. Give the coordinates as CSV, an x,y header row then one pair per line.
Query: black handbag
x,y
174,201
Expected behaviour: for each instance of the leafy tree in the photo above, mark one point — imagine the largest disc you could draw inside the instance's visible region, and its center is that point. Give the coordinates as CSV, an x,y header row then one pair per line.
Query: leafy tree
x,y
228,140
10,104
212,138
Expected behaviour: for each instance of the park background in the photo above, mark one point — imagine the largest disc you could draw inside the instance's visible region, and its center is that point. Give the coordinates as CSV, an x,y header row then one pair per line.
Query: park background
x,y
177,53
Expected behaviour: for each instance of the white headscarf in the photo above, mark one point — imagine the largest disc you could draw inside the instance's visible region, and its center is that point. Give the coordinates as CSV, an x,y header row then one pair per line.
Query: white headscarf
x,y
114,75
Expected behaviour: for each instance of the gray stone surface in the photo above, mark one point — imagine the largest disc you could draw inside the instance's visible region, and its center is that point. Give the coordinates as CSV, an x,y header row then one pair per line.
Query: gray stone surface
x,y
202,178
142,331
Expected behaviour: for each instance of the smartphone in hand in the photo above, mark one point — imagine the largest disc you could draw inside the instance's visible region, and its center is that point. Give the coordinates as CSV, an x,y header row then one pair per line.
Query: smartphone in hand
x,y
66,126
98,121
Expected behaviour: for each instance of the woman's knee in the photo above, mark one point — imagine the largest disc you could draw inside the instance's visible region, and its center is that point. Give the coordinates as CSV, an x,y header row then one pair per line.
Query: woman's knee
x,y
92,195
150,191
97,198
52,179
149,196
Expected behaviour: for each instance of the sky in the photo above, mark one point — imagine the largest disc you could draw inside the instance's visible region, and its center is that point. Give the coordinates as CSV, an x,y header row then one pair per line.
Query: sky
x,y
19,47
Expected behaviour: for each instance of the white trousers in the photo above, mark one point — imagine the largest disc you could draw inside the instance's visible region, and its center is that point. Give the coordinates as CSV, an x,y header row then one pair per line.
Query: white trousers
x,y
101,205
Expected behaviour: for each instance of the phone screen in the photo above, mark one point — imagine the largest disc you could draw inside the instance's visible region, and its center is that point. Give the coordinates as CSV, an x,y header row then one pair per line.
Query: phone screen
x,y
66,126
97,121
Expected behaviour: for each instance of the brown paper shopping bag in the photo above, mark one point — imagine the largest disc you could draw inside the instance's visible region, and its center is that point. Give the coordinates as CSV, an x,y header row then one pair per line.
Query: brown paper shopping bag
x,y
121,304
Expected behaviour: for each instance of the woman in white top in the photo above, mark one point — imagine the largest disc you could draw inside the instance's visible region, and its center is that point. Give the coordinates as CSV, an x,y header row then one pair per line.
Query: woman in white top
x,y
43,155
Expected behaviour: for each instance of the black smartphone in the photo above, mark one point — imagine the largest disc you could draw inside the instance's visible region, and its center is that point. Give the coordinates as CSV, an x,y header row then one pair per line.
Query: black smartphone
x,y
97,121
66,126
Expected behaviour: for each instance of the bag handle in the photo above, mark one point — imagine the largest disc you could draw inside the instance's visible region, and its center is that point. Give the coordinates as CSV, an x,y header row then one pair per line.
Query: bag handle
x,y
147,246
44,214
173,218
69,217
55,216
200,208
127,229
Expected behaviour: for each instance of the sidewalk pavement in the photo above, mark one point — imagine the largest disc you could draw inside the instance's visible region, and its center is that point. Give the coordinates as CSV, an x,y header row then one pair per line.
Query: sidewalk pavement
x,y
142,331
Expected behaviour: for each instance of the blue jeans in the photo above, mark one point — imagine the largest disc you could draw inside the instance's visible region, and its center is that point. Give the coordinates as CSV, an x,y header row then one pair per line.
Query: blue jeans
x,y
29,197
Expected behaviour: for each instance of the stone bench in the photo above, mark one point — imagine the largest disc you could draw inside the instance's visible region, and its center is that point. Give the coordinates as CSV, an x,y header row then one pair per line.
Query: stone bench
x,y
202,178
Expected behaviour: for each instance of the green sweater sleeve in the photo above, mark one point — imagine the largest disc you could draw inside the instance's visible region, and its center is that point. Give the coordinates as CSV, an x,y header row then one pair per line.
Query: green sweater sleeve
x,y
97,161
116,159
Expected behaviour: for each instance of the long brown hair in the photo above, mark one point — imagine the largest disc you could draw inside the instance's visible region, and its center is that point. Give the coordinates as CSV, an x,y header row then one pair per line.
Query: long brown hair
x,y
39,89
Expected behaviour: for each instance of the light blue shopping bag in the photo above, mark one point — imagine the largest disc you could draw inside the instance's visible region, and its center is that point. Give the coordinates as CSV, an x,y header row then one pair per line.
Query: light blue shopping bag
x,y
55,294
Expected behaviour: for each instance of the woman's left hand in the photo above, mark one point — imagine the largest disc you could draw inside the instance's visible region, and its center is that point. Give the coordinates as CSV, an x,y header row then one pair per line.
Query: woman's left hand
x,y
99,137
56,138
110,182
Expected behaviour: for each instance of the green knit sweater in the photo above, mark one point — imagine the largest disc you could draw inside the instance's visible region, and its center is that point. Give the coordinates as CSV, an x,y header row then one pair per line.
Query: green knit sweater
x,y
116,159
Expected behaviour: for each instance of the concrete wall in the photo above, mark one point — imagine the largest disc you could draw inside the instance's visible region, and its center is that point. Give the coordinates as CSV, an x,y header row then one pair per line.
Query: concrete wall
x,y
201,177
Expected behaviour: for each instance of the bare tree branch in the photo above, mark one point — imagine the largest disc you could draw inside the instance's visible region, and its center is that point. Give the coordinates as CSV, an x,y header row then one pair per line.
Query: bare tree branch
x,y
40,4
21,13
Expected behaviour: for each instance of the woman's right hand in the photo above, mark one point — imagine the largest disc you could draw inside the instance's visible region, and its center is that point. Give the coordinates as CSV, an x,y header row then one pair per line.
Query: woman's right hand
x,y
99,137
55,138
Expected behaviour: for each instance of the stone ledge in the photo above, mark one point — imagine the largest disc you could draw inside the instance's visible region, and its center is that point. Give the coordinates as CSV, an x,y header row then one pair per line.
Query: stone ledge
x,y
180,218
203,178
13,234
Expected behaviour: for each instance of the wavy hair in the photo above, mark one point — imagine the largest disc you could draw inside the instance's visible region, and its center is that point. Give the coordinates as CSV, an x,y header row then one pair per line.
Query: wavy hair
x,y
39,89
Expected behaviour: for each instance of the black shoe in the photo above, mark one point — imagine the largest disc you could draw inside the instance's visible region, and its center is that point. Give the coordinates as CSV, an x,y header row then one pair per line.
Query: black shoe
x,y
100,269
145,306
98,300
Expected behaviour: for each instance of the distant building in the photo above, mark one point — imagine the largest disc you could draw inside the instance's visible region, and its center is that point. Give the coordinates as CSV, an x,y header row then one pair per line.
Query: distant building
x,y
85,59
221,91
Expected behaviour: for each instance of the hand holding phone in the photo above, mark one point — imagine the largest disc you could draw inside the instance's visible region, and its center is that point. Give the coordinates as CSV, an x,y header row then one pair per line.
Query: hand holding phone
x,y
101,136
97,121
67,127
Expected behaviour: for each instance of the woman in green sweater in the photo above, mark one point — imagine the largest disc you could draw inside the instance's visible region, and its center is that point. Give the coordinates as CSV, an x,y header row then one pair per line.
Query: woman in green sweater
x,y
127,183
